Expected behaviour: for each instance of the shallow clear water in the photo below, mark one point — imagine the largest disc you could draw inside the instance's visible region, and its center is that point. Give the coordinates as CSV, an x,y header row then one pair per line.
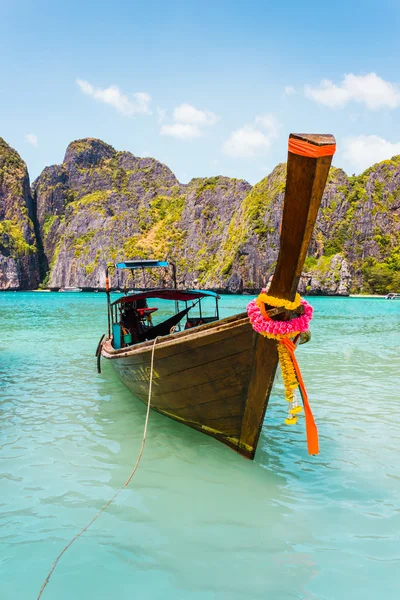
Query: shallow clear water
x,y
198,522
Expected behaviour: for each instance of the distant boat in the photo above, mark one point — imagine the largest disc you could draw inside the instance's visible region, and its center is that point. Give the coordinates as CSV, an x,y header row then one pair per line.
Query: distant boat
x,y
213,374
70,289
392,296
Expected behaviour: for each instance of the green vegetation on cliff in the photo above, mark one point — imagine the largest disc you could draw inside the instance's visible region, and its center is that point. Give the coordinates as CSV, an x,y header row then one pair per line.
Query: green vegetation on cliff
x,y
12,238
103,205
254,218
18,246
160,232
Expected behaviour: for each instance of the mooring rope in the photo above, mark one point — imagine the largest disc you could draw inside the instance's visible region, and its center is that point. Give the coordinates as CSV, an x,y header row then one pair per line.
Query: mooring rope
x,y
46,581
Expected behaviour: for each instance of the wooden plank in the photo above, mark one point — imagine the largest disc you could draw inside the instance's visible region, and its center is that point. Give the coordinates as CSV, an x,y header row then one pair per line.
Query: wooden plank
x,y
219,407
215,410
196,357
188,401
317,139
305,184
164,351
229,365
306,179
217,404
174,341
260,385
220,388
216,426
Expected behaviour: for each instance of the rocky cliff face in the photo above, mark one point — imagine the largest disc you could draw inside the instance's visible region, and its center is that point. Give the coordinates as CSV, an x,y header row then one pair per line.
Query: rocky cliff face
x,y
101,205
370,233
357,240
19,264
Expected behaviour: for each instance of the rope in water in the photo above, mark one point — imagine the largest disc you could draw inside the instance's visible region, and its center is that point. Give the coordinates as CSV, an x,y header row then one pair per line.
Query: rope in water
x,y
46,581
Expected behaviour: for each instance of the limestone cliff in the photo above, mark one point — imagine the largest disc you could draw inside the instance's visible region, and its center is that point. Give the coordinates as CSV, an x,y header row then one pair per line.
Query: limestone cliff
x,y
101,205
370,232
19,264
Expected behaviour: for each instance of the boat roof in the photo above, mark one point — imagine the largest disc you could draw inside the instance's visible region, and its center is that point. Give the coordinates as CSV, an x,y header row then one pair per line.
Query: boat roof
x,y
166,294
142,264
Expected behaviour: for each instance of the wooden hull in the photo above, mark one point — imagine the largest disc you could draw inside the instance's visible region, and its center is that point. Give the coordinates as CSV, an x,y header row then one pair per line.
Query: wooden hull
x,y
216,378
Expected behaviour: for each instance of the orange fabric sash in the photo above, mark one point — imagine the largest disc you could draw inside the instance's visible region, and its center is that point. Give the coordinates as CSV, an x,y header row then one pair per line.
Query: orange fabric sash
x,y
306,149
311,428
263,311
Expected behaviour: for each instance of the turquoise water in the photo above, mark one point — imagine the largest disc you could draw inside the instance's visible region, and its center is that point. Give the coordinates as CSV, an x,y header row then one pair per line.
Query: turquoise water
x,y
198,522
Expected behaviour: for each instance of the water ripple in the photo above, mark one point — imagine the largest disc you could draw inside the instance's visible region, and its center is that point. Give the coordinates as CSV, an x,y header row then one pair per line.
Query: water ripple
x,y
198,522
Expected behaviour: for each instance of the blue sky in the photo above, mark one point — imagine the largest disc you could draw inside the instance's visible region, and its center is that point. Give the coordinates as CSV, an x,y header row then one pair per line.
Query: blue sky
x,y
207,87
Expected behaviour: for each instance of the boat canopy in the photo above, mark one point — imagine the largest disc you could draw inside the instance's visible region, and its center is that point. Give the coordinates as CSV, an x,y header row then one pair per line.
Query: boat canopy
x,y
142,264
164,294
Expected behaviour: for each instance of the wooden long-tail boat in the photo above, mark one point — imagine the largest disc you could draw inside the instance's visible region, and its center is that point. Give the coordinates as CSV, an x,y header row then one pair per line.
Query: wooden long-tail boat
x,y
217,376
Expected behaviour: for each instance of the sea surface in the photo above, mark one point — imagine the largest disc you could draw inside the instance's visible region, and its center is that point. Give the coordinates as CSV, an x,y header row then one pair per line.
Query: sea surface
x,y
198,522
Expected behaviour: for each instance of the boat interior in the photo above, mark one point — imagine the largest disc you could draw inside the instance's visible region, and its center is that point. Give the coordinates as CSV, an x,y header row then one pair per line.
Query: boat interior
x,y
138,316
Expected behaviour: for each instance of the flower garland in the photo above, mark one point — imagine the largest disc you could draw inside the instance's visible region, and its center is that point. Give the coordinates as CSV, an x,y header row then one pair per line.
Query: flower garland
x,y
279,302
284,332
270,328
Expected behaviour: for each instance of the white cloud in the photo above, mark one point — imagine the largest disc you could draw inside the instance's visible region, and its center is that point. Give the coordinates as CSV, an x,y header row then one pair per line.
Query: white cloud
x,y
289,90
186,113
327,93
112,95
189,122
32,139
270,124
181,131
371,90
246,142
363,151
252,139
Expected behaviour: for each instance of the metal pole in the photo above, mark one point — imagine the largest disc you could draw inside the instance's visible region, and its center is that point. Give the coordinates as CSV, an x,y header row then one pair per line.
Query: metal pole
x,y
108,302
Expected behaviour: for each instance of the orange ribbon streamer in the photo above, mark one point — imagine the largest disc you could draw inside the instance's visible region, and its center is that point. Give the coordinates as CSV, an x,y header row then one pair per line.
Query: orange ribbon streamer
x,y
263,311
311,428
311,150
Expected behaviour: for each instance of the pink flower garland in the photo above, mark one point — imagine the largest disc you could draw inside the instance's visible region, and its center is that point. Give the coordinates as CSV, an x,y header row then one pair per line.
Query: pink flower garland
x,y
271,328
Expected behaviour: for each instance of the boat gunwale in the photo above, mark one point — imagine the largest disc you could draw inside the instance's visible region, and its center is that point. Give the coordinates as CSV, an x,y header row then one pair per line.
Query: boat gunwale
x,y
231,322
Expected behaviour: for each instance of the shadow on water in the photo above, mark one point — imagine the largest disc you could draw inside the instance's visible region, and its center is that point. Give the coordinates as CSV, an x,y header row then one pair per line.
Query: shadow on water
x,y
209,504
